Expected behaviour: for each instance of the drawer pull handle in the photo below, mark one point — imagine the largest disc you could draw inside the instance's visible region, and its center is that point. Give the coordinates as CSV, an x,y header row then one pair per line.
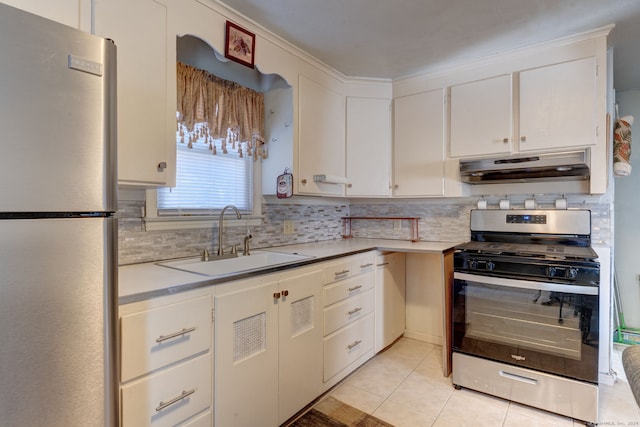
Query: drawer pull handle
x,y
355,288
354,311
384,263
340,273
366,265
352,345
175,334
183,395
520,378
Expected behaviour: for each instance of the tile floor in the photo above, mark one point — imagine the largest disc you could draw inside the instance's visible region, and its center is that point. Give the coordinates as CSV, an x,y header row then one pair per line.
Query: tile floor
x,y
404,386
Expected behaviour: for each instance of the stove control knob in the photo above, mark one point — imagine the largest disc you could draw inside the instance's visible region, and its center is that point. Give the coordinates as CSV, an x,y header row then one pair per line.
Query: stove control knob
x,y
551,271
473,264
571,273
490,266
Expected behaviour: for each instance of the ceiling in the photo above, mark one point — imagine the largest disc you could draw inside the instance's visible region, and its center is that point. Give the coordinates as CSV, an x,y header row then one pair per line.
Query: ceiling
x,y
399,38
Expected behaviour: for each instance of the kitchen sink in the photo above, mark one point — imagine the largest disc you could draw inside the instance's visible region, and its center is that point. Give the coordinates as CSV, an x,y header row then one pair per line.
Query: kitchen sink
x,y
222,266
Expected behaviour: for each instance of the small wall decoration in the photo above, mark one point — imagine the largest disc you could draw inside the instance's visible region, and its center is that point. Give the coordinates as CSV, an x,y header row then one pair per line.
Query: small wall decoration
x,y
240,45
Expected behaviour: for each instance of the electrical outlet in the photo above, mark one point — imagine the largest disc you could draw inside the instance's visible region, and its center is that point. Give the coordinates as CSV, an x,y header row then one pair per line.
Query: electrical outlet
x,y
288,226
397,224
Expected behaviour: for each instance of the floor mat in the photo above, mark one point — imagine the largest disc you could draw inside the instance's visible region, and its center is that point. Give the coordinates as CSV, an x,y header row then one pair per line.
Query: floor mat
x,y
331,412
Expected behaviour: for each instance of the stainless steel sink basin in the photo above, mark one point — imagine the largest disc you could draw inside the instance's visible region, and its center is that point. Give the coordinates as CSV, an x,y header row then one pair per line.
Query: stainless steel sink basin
x,y
218,267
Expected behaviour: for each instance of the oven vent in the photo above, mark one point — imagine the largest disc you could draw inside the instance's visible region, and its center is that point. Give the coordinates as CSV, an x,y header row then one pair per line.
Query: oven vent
x,y
568,166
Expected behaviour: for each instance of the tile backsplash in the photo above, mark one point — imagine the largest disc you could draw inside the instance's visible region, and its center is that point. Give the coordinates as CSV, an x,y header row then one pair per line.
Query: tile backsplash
x,y
316,219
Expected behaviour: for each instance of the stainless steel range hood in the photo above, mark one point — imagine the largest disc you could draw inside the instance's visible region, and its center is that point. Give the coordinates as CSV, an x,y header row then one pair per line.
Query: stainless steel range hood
x,y
567,166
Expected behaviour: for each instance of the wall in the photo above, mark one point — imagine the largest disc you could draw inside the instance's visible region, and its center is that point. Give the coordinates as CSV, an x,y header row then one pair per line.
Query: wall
x,y
317,219
627,212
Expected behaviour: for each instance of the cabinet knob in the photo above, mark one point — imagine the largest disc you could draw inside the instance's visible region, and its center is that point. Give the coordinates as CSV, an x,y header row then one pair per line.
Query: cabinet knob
x,y
303,181
523,139
162,166
276,295
505,140
285,293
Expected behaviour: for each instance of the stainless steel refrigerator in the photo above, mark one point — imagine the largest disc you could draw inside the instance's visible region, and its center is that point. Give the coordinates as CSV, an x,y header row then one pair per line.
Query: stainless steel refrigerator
x,y
58,291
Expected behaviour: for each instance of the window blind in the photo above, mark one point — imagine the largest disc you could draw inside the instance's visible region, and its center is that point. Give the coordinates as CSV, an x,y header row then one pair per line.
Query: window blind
x,y
206,183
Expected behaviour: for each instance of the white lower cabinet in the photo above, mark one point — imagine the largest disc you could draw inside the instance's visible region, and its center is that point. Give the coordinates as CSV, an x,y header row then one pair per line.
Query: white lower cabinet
x,y
169,397
390,298
268,350
166,366
349,304
280,341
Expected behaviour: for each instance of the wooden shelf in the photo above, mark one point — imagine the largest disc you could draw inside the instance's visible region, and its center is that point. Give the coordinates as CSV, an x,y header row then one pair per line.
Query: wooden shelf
x,y
413,221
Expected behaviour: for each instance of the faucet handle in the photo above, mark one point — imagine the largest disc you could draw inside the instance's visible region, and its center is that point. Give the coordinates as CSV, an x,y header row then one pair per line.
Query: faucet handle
x,y
234,250
205,255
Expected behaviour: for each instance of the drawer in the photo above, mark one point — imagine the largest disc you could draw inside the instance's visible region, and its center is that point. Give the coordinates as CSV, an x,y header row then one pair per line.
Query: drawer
x,y
156,338
338,270
347,345
347,288
363,263
169,397
344,312
204,420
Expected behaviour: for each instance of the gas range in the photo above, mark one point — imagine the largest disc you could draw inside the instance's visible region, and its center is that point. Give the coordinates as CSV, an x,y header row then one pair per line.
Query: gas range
x,y
548,245
525,310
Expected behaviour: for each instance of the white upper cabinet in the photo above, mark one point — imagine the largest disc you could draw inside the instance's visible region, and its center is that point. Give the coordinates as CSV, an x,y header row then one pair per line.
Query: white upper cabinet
x,y
368,146
481,117
558,106
139,30
418,145
74,13
321,138
541,109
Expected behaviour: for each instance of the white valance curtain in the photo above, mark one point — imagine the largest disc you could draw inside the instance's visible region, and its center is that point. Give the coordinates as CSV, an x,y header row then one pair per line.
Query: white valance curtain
x,y
219,113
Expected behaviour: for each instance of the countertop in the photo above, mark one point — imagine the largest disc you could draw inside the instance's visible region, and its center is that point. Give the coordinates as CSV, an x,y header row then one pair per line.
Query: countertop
x,y
138,282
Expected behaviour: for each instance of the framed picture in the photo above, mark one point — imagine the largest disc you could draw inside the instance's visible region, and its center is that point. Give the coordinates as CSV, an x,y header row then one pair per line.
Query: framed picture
x,y
240,45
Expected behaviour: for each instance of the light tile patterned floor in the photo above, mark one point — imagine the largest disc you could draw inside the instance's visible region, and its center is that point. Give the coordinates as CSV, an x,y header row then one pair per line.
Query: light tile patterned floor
x,y
404,386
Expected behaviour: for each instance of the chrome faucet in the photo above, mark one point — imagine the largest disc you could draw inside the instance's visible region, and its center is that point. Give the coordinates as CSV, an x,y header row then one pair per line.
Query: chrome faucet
x,y
220,226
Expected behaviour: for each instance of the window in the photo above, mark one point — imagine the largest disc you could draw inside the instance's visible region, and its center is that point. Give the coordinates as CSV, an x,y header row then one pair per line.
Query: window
x,y
219,142
205,183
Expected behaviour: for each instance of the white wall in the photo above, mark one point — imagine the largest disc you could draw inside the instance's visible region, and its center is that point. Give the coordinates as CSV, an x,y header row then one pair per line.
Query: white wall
x,y
627,218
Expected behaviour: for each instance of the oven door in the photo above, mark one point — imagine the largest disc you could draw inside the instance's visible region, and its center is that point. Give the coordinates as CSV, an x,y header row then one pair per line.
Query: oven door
x,y
544,326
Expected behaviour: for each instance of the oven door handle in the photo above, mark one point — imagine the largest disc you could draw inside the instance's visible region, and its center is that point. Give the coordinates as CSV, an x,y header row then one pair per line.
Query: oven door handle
x,y
527,284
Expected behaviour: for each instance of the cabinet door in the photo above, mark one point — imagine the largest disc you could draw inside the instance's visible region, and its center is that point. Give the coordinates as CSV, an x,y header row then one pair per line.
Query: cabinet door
x,y
300,335
558,106
139,31
390,299
368,146
246,357
321,149
68,12
418,145
481,117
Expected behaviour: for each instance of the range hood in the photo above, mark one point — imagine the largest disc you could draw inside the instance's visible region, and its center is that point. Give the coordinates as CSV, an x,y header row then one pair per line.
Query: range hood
x,y
530,168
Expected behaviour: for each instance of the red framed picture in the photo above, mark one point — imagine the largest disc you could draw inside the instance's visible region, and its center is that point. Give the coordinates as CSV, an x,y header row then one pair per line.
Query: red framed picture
x,y
240,45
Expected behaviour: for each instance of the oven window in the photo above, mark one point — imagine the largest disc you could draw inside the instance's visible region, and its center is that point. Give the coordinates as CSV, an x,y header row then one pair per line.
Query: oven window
x,y
553,332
